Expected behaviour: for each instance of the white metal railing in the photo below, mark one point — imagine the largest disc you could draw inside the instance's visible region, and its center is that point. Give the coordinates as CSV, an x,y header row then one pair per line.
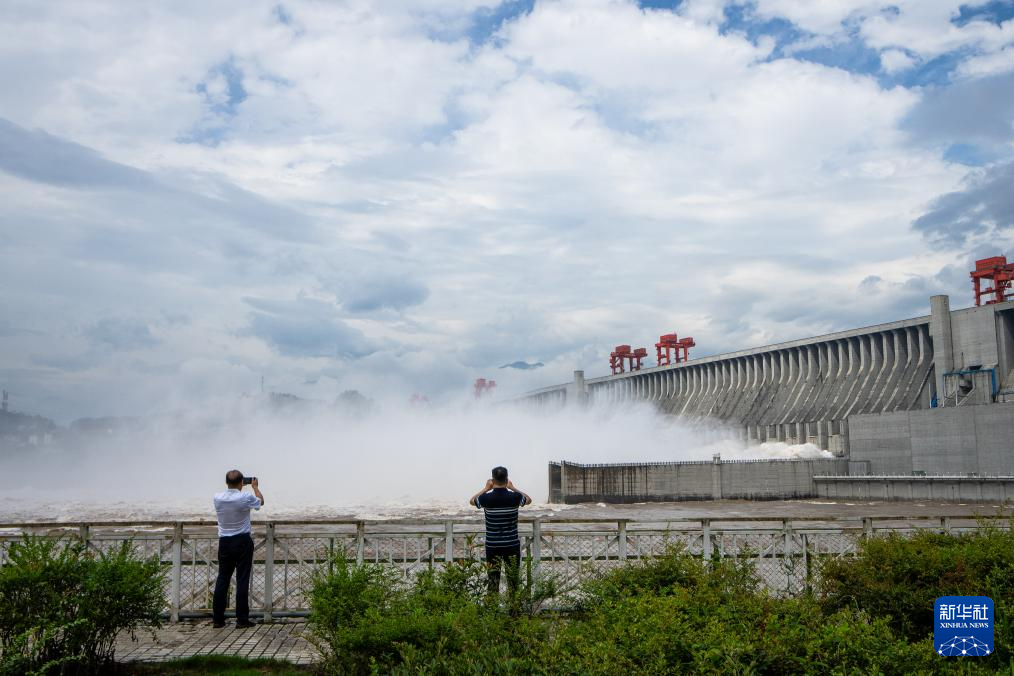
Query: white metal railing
x,y
571,550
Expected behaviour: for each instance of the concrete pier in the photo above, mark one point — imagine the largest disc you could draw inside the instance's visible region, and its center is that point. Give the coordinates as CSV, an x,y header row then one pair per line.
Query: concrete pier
x,y
943,338
961,440
901,487
693,480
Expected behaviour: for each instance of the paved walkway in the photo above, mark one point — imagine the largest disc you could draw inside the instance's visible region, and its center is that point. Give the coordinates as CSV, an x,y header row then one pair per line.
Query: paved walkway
x,y
280,640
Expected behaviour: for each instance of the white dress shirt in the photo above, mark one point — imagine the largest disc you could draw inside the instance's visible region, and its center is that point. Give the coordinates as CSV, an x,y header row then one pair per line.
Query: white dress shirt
x,y
233,509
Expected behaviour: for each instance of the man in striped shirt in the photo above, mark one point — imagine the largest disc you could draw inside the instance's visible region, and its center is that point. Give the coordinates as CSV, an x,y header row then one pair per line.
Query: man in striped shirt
x,y
500,500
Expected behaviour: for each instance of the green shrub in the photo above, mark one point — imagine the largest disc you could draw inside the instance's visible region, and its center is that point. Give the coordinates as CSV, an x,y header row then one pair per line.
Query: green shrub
x,y
713,622
1000,587
678,613
219,665
671,614
61,606
673,571
901,577
363,618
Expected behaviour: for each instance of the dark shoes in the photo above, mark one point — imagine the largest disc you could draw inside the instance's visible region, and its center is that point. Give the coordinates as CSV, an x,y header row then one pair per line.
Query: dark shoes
x,y
245,624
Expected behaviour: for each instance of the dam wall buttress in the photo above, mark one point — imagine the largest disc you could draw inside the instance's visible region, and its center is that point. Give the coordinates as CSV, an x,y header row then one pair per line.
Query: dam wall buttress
x,y
921,408
808,390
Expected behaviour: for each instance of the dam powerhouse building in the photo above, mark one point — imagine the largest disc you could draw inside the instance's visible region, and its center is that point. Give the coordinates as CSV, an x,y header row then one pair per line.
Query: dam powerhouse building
x,y
919,408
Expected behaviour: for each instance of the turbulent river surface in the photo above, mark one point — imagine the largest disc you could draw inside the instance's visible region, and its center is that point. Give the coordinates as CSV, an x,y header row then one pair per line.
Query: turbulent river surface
x,y
24,510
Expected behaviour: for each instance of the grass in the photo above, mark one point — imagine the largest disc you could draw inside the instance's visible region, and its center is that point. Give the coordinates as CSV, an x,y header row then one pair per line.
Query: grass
x,y
227,665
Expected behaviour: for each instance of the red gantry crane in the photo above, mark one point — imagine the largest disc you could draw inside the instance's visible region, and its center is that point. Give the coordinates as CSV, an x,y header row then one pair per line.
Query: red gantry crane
x,y
616,357
623,353
998,271
484,387
685,345
666,342
635,358
669,342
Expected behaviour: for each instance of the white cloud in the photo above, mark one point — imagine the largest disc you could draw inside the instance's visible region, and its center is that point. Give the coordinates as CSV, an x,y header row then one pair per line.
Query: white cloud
x,y
703,11
410,210
824,17
895,61
616,46
923,28
927,29
998,62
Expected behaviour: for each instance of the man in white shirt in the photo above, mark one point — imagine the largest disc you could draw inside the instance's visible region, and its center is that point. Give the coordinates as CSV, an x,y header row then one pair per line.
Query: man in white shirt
x,y
235,546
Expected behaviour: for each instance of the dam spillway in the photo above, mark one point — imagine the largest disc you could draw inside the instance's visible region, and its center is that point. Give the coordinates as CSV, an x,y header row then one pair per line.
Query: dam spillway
x,y
875,395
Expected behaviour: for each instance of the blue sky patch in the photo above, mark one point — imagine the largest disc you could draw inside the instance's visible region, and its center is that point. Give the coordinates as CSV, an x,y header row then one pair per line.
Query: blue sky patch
x,y
740,18
235,93
455,119
221,106
995,11
936,71
487,21
969,154
853,56
671,5
282,15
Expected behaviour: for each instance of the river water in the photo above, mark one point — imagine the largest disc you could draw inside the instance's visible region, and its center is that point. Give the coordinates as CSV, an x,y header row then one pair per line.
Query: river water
x,y
32,510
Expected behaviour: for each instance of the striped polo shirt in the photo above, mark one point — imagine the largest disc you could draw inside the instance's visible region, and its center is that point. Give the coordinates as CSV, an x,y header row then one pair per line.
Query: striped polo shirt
x,y
501,508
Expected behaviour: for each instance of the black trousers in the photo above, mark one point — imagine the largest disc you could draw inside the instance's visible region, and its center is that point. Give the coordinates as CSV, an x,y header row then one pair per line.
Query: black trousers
x,y
235,554
508,558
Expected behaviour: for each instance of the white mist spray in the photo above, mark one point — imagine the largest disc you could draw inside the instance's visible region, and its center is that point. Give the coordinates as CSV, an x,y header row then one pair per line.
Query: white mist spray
x,y
319,462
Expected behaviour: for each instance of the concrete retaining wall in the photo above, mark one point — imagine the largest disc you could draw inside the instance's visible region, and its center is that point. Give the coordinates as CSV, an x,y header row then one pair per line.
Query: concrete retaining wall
x,y
703,480
962,440
963,489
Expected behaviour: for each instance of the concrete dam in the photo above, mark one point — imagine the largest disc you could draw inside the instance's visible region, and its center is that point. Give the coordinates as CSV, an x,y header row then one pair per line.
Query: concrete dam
x,y
932,395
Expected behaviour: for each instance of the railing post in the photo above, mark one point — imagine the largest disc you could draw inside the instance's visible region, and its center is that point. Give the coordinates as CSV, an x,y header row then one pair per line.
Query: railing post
x,y
868,526
177,573
269,570
360,542
536,545
84,533
706,538
945,525
621,540
787,563
449,541
807,564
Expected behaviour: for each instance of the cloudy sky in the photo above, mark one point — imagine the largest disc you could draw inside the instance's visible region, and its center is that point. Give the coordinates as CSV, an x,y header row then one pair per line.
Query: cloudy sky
x,y
402,195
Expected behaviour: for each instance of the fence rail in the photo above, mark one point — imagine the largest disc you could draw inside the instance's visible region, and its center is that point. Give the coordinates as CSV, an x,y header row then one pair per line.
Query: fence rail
x,y
287,552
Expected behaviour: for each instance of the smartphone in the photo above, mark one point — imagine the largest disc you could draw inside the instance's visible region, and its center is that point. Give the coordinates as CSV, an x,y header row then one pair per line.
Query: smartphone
x,y
247,480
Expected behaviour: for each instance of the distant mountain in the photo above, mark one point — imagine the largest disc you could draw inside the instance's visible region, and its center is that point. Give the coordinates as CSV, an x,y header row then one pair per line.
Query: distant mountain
x,y
354,402
22,429
106,425
523,365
